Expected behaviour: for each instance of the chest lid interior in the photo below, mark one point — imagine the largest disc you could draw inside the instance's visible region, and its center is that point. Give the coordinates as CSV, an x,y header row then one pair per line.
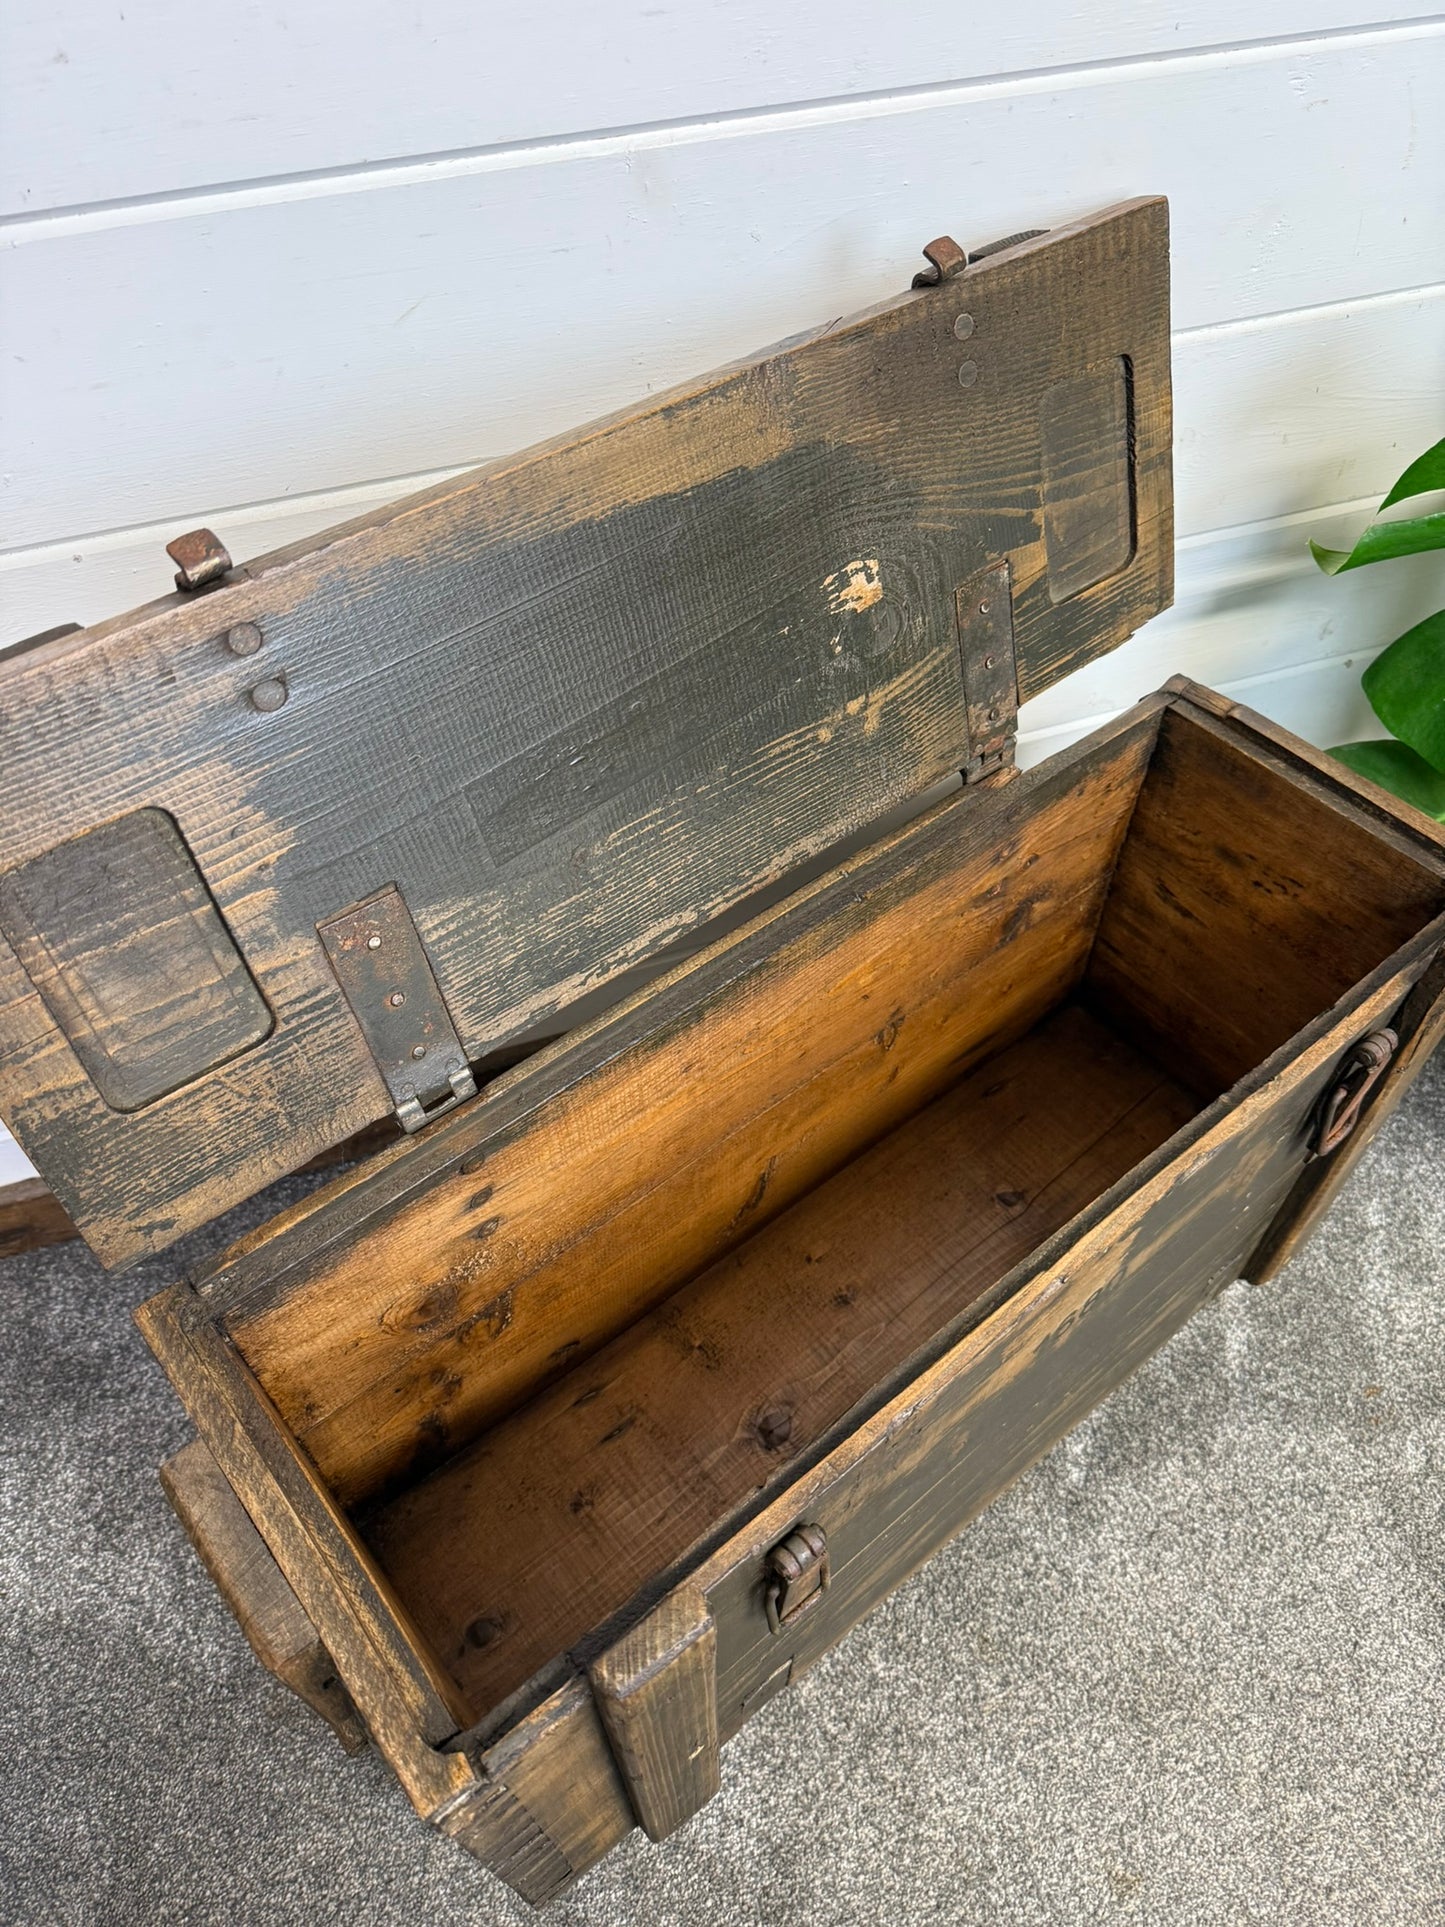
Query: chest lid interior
x,y
291,852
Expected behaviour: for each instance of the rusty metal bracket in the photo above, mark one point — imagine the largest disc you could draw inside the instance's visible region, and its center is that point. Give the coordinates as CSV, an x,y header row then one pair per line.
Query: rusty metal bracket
x,y
946,258
201,558
983,610
797,1575
384,975
1361,1071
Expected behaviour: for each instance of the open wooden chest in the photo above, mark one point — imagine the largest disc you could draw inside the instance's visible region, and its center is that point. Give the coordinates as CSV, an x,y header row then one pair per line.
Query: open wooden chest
x,y
552,1441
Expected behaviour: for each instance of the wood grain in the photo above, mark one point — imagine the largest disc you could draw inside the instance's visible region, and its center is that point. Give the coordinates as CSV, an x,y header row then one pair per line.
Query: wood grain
x,y
656,1689
30,1217
250,1582
1247,899
625,1464
549,1802
1096,1305
523,1253
575,703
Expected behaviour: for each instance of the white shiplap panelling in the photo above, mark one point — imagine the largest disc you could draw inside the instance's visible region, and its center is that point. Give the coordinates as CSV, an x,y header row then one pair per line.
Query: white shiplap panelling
x,y
115,102
293,339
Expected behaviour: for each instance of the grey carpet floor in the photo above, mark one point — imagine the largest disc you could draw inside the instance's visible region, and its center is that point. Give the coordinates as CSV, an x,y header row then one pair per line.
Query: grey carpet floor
x,y
1192,1669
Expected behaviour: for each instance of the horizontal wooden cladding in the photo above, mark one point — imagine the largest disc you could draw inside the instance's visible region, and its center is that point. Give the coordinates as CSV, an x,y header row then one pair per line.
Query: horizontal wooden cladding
x,y
617,1471
391,1350
302,94
932,1459
1229,620
1245,902
462,339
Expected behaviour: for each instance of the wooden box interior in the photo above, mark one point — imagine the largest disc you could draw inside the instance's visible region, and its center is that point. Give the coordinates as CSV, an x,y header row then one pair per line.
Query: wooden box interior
x,y
540,1385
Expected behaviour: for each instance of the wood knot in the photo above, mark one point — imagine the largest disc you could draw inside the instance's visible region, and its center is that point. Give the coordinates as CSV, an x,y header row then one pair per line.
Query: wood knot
x,y
774,1428
434,1307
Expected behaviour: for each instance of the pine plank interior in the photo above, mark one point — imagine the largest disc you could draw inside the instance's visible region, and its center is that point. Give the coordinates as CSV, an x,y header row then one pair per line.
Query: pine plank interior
x,y
553,1374
550,1522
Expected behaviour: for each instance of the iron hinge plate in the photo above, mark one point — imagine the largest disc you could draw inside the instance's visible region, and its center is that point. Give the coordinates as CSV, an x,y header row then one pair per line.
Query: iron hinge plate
x,y
983,610
385,977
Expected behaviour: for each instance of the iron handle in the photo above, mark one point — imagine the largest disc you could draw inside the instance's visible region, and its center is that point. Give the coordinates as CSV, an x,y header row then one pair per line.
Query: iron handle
x,y
1359,1074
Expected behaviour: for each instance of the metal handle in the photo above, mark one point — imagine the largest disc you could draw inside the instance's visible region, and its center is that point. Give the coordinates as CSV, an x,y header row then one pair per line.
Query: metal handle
x,y
797,1575
1359,1074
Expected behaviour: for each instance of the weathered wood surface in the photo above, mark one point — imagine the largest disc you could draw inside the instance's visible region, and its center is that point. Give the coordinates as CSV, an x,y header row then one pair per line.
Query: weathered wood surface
x,y
252,1585
521,1250
1245,901
31,1216
620,1469
408,1707
549,1801
1420,1026
591,695
1099,1304
656,1689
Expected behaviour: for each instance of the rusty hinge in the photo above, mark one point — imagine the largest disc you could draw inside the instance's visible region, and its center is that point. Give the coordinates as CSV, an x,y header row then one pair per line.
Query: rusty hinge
x,y
983,610
797,1575
1361,1071
946,258
202,560
384,975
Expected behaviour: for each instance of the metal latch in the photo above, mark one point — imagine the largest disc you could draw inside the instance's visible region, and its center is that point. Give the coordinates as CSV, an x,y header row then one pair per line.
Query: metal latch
x,y
1359,1074
797,1575
384,975
983,611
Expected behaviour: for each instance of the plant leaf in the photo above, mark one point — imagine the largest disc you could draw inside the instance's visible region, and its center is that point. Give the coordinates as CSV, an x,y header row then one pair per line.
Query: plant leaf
x,y
1382,541
1406,687
1422,477
1397,768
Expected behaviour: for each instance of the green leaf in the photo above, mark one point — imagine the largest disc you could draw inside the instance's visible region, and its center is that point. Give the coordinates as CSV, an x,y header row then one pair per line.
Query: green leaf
x,y
1422,477
1382,541
1397,768
1406,687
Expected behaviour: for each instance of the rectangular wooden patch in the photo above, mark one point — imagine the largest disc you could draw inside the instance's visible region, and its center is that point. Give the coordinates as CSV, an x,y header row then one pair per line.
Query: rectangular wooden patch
x,y
117,931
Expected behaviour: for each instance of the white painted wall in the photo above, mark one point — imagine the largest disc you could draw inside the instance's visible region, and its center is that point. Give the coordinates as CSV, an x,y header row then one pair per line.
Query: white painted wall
x,y
270,264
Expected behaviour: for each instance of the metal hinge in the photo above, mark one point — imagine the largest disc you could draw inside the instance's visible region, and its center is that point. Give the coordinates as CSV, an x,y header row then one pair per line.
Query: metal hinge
x,y
797,1575
983,610
946,258
385,977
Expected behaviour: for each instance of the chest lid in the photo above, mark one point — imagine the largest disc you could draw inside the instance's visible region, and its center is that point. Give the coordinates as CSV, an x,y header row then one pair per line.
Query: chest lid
x,y
290,850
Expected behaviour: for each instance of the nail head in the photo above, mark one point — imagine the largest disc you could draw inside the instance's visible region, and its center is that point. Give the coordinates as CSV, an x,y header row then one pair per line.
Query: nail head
x,y
269,695
963,327
967,374
244,639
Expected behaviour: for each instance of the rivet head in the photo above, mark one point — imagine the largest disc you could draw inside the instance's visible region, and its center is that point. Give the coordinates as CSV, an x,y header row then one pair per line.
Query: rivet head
x,y
244,639
396,999
418,1050
270,694
373,943
990,662
984,606
963,327
967,374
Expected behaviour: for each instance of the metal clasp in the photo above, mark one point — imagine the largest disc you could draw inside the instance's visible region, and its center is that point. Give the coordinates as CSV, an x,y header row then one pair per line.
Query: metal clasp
x,y
382,968
797,1575
1359,1074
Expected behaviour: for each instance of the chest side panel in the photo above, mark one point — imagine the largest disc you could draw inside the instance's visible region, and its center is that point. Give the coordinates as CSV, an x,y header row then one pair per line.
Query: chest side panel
x,y
572,705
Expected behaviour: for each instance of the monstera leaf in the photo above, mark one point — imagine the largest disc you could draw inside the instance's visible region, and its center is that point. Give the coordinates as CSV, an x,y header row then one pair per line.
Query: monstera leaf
x,y
1382,541
1397,768
1406,688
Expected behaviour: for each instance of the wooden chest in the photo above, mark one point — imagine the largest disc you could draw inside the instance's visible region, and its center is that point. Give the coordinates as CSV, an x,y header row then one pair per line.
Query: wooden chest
x,y
552,1441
